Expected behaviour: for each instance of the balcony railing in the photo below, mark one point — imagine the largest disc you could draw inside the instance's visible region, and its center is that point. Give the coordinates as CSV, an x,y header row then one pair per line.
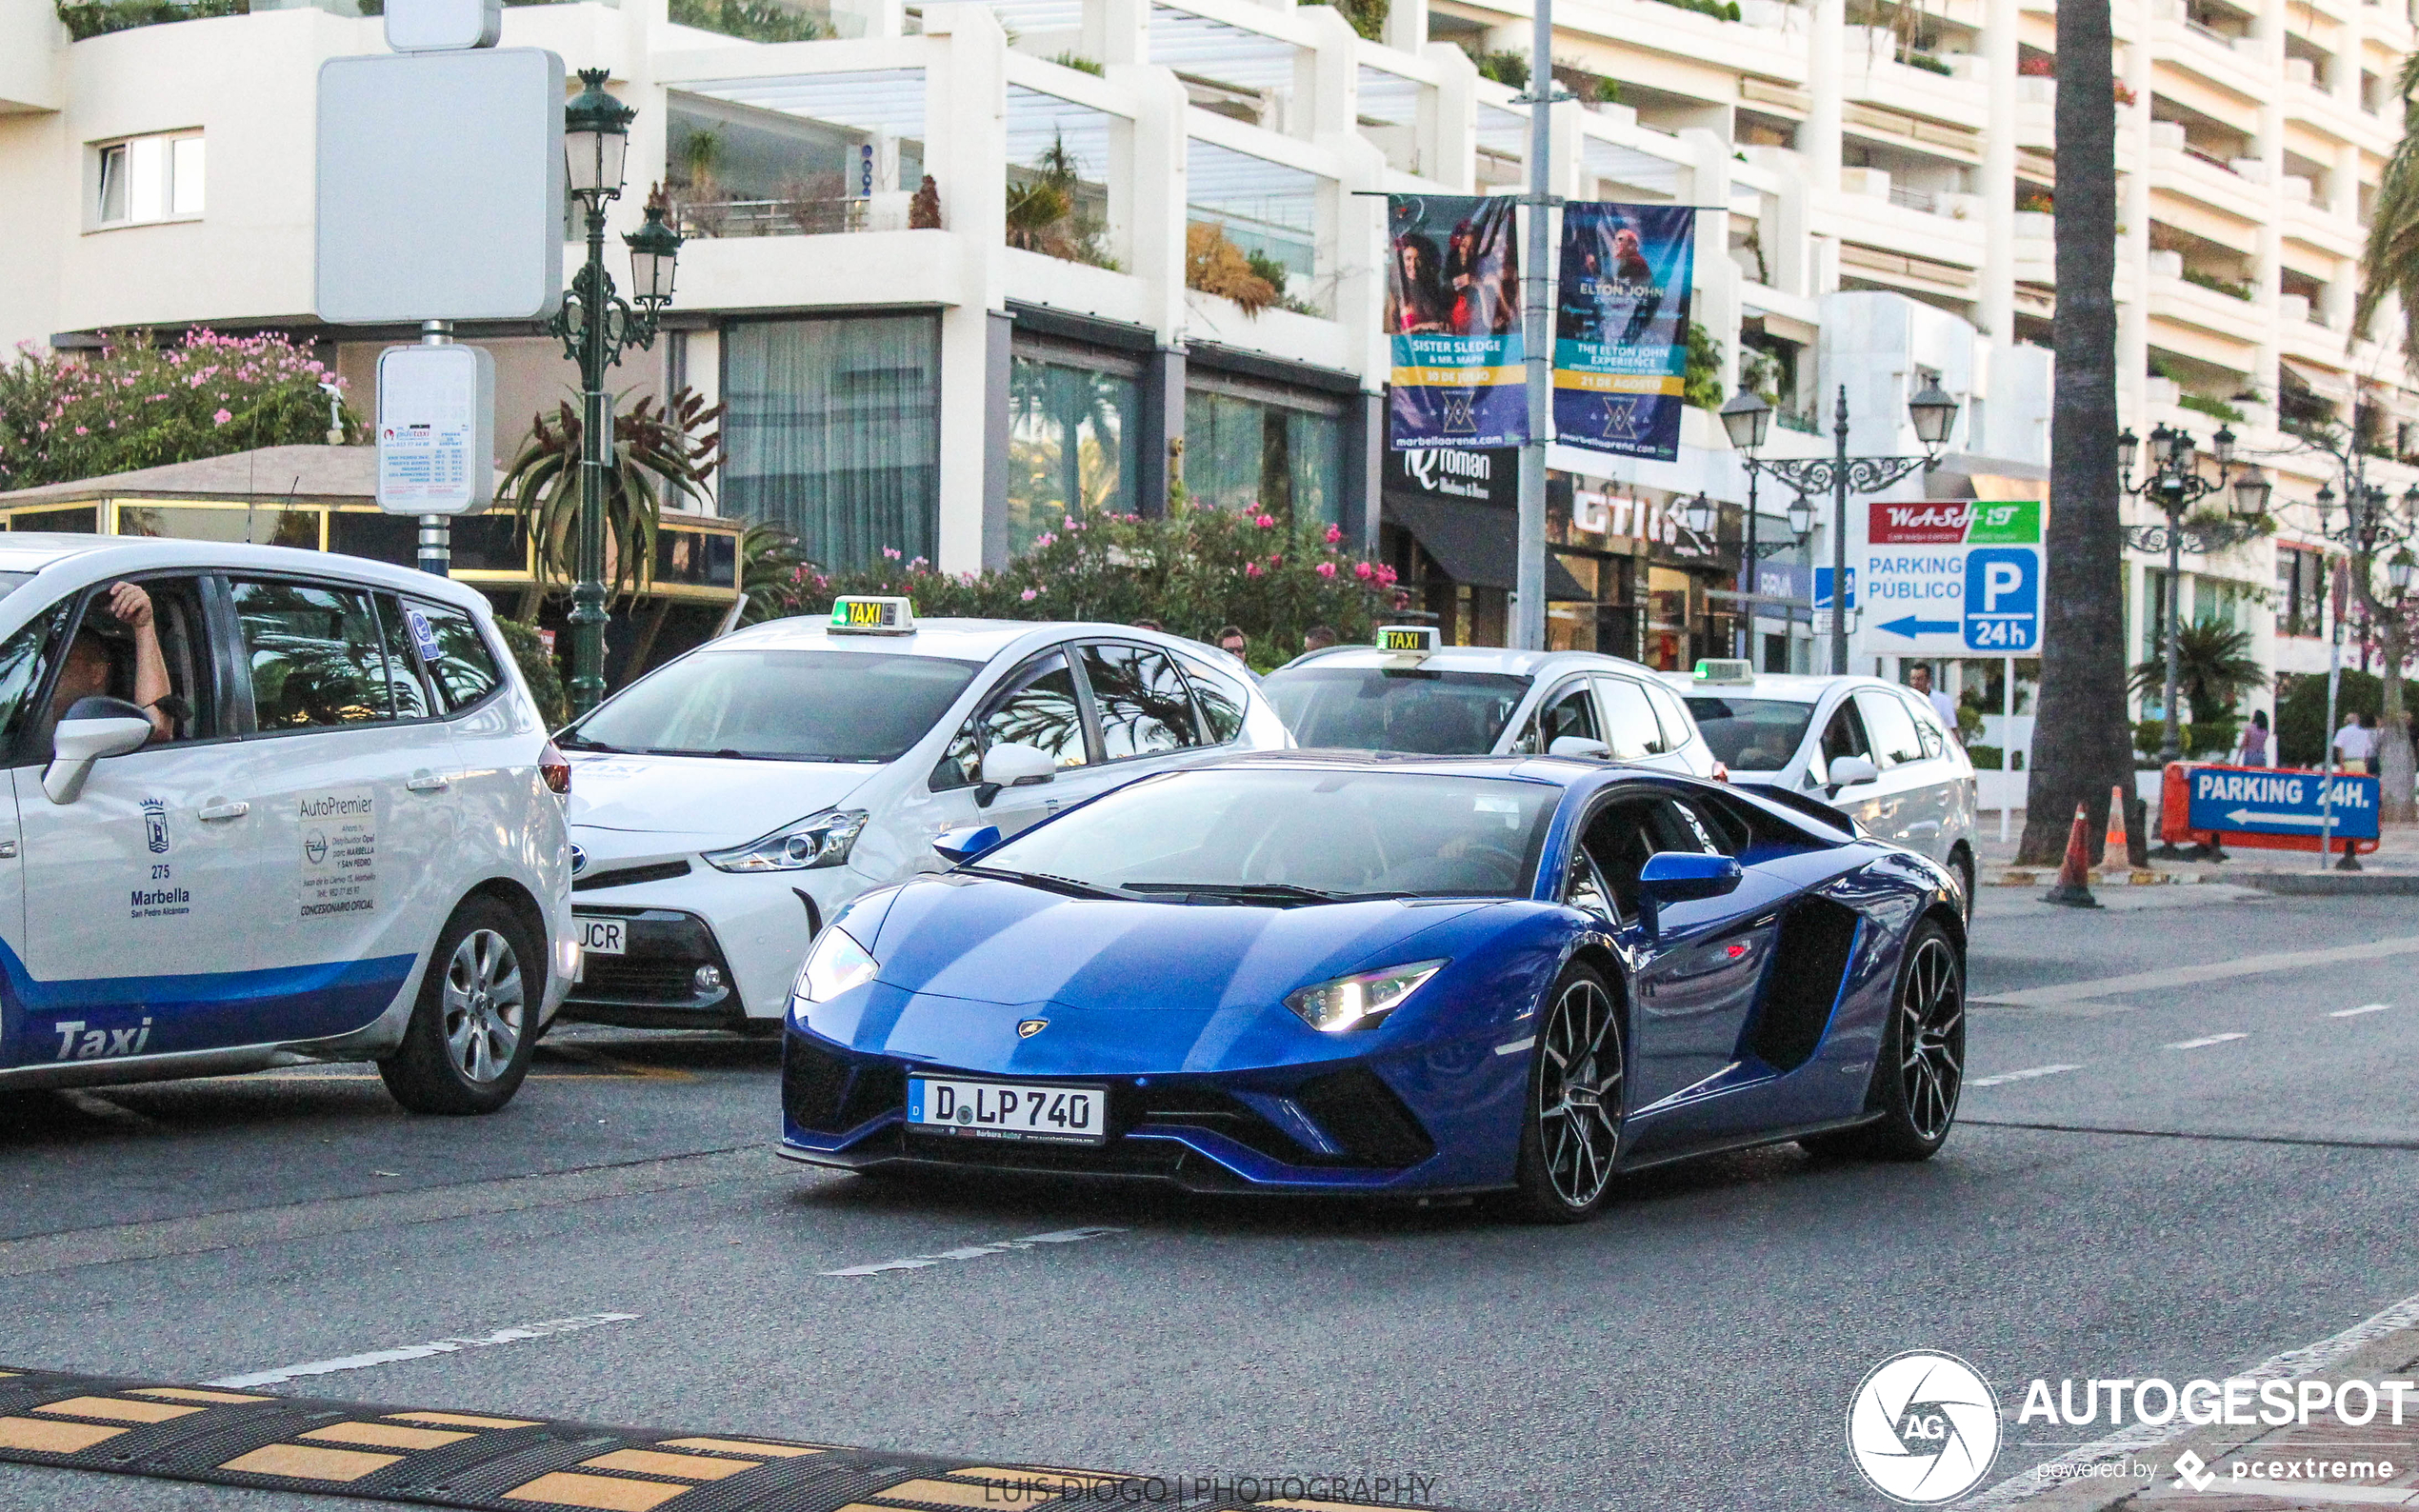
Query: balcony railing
x,y
783,217
1915,199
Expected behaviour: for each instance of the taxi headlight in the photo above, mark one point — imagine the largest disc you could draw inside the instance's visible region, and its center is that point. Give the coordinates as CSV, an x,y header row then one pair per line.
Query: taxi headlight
x,y
818,839
1361,1001
836,963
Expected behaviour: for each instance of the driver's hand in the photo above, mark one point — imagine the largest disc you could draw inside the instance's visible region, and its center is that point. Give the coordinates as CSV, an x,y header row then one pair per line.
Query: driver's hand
x,y
132,605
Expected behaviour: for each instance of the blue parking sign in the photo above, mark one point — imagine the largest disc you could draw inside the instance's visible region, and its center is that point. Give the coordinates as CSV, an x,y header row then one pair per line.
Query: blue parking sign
x,y
1823,589
2003,599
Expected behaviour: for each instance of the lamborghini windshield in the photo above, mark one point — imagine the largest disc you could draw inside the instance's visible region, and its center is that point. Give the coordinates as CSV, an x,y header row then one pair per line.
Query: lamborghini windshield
x,y
1289,835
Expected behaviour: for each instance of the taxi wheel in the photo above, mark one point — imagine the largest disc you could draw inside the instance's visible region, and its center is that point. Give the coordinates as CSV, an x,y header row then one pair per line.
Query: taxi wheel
x,y
469,1043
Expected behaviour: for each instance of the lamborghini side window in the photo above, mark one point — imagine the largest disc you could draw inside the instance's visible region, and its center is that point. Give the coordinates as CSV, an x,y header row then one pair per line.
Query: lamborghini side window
x,y
1586,889
1627,831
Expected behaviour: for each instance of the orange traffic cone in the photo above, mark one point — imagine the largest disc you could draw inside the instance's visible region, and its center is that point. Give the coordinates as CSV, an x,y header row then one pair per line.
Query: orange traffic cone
x,y
2114,854
2074,875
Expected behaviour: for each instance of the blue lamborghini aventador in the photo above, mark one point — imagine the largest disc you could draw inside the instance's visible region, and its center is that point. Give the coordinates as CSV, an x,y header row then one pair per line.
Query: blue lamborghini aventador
x,y
1338,972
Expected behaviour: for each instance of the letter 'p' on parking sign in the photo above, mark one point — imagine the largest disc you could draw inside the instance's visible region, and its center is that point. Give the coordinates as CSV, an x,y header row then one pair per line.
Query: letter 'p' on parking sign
x,y
2003,599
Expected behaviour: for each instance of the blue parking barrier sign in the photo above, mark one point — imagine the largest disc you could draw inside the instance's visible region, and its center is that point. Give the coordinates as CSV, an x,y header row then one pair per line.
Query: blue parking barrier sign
x,y
2251,800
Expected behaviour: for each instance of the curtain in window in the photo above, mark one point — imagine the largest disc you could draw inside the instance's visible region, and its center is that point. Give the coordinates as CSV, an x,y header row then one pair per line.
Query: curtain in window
x,y
1241,453
835,430
1071,441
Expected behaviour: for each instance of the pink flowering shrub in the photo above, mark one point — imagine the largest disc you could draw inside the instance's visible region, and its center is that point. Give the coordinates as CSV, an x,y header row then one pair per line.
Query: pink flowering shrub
x,y
1194,570
69,416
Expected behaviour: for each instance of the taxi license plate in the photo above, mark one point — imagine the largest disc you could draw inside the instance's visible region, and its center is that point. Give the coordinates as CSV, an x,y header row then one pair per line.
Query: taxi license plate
x,y
1008,1111
603,937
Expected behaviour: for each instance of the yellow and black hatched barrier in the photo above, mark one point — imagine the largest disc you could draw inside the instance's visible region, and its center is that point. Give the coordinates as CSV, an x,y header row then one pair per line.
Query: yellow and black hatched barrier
x,y
533,1464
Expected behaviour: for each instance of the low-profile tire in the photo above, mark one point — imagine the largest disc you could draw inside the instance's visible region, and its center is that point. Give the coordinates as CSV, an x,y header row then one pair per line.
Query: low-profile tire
x,y
1961,861
475,1026
1921,1067
1571,1121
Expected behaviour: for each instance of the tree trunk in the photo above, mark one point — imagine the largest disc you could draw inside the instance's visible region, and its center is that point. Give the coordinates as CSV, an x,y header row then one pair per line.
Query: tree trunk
x,y
2394,804
2082,743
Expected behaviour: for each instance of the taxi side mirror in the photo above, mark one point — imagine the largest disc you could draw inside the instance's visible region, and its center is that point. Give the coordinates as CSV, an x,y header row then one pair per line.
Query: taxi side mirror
x,y
93,728
1013,765
1849,771
1580,748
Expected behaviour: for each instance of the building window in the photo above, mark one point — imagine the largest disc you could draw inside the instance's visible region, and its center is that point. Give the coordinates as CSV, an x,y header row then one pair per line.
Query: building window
x,y
149,178
1277,450
1071,438
833,430
2301,579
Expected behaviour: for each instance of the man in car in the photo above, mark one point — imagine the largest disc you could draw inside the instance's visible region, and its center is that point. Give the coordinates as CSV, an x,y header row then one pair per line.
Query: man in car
x,y
90,661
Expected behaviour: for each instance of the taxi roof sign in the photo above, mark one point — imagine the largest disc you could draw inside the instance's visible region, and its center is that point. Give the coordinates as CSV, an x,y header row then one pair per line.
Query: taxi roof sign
x,y
1407,637
872,616
1725,670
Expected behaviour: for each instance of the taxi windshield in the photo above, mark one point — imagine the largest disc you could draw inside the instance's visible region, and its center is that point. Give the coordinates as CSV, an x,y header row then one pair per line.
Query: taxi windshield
x,y
1396,708
1751,734
1293,837
779,706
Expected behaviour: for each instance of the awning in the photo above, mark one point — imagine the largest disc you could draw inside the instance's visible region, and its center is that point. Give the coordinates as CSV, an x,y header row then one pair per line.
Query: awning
x,y
2325,382
1478,544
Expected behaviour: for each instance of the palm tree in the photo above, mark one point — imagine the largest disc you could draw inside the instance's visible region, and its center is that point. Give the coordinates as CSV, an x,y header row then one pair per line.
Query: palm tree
x,y
2213,669
2083,745
2390,267
657,452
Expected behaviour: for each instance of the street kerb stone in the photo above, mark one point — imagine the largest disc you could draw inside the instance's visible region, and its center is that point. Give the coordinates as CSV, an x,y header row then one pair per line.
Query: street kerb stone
x,y
2221,1449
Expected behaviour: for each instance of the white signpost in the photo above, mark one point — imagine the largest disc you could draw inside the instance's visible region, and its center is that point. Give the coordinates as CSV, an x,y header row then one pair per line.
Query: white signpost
x,y
440,198
436,430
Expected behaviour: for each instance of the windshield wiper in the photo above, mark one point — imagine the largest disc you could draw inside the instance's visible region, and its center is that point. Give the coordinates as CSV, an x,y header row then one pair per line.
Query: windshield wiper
x,y
570,741
1264,891
1048,883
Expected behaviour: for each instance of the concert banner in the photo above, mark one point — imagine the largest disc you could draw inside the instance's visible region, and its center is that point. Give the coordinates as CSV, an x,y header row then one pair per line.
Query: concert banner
x,y
1452,322
1621,328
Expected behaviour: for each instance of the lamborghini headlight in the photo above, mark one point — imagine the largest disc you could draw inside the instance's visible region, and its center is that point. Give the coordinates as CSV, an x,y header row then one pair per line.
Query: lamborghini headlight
x,y
818,839
836,963
1361,1001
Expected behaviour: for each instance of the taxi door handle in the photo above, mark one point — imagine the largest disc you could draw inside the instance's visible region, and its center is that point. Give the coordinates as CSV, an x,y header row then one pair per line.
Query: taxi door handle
x,y
233,810
427,783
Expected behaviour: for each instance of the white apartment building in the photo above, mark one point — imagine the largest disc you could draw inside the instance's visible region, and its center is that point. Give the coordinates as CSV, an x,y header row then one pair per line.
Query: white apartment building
x,y
1878,202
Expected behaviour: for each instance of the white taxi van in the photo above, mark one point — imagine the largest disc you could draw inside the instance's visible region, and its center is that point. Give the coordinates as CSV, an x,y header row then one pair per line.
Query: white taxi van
x,y
270,806
727,804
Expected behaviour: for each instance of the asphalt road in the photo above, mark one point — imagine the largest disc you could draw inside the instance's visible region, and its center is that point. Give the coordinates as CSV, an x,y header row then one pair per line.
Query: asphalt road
x,y
2221,1170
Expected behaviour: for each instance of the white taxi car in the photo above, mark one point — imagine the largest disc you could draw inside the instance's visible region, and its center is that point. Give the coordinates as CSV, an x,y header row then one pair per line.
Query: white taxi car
x,y
726,804
1871,747
1408,693
269,804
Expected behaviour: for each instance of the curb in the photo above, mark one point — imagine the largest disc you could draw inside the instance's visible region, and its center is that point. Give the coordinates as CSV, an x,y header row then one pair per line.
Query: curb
x,y
2333,884
2395,1355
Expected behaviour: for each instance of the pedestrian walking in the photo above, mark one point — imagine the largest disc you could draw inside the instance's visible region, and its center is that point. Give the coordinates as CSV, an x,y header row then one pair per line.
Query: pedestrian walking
x,y
1318,638
2368,727
1231,642
2353,745
2254,752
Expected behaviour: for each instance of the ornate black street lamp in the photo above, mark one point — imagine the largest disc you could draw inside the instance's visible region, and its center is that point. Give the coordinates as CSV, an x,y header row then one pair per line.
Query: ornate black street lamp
x,y
596,325
2175,484
1747,417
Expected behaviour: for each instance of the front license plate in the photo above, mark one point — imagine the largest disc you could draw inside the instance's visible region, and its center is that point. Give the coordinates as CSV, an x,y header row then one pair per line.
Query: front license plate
x,y
1003,1110
601,937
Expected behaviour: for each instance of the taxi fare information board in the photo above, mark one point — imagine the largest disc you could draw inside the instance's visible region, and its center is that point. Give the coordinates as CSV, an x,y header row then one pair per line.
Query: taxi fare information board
x,y
1949,578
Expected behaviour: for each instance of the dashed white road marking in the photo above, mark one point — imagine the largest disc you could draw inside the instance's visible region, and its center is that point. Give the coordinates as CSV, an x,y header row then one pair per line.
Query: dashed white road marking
x,y
518,1334
1062,1236
2205,1041
2025,1075
2209,971
2366,1008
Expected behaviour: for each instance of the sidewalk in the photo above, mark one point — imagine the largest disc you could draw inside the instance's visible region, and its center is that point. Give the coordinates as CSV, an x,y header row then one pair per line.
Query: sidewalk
x,y
2393,868
2320,1466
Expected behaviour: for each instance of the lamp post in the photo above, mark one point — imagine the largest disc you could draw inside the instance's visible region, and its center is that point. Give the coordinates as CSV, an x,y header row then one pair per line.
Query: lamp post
x,y
1934,414
1748,420
596,325
2175,484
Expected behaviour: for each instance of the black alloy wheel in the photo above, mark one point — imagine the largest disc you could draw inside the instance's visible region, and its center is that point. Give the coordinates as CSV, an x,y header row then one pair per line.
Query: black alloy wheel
x,y
1570,1137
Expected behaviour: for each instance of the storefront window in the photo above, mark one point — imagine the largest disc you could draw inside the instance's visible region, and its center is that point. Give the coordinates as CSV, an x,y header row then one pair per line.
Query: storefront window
x,y
1243,450
834,431
1071,445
